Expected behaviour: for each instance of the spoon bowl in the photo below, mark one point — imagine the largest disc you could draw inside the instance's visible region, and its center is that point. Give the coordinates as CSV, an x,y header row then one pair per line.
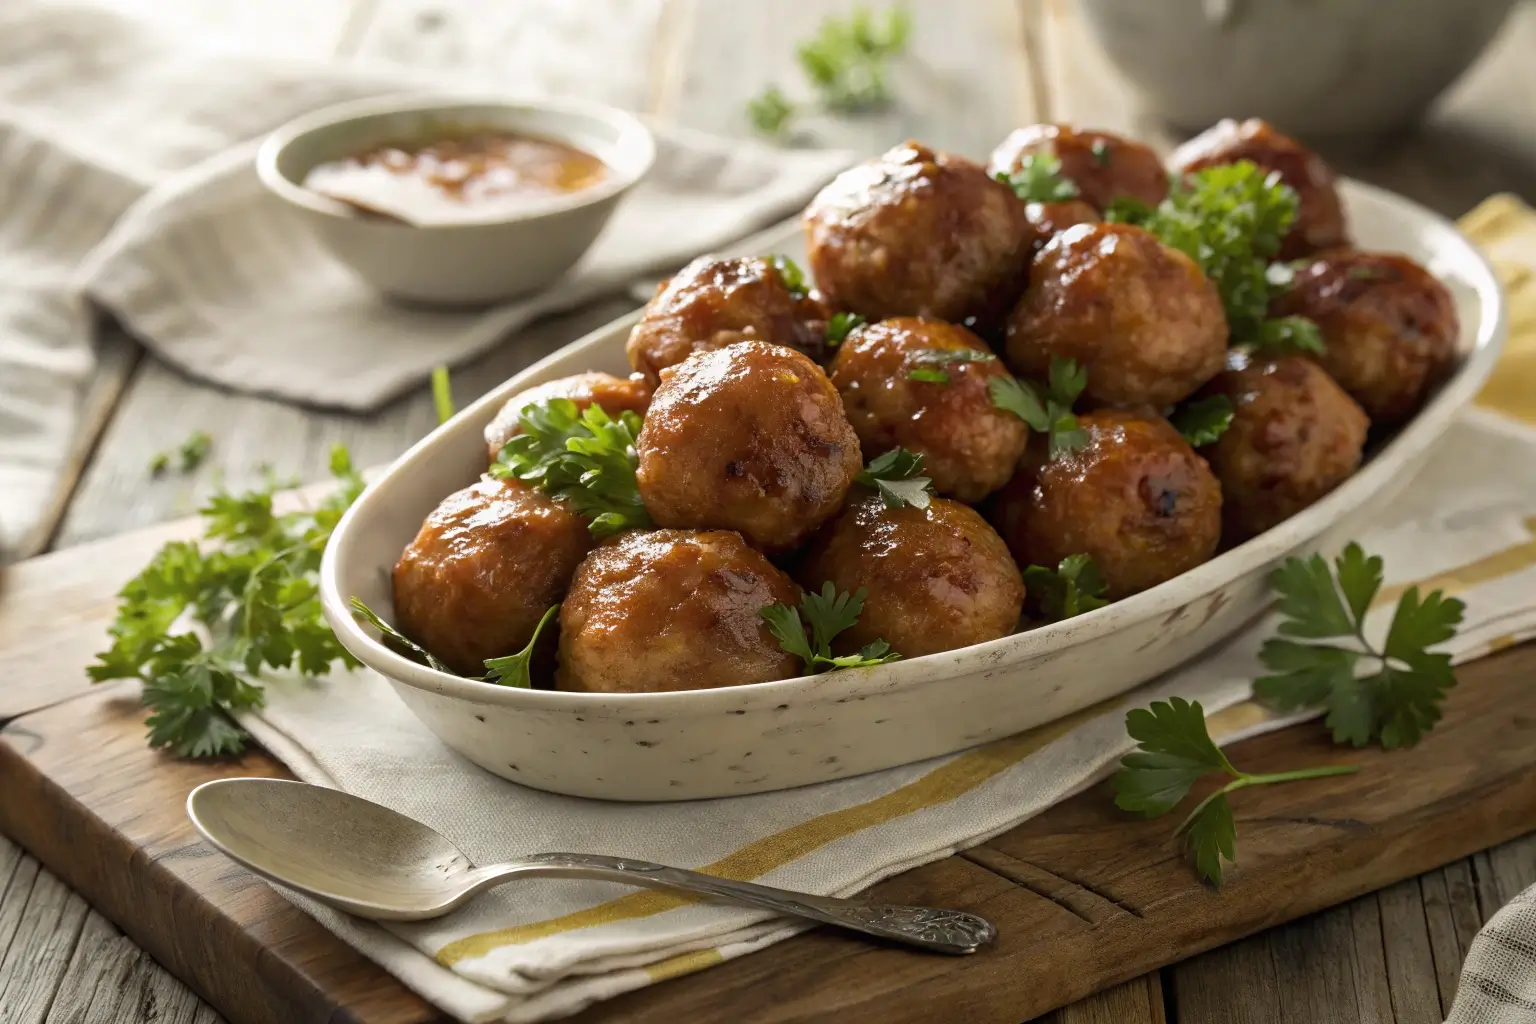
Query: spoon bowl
x,y
367,860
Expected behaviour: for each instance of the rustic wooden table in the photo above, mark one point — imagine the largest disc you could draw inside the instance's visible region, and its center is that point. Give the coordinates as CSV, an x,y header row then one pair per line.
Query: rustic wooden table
x,y
976,70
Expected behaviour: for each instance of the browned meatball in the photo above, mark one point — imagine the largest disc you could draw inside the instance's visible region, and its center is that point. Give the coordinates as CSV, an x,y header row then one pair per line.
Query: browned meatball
x,y
710,304
1390,327
969,445
672,610
1102,165
1140,316
936,579
1047,220
1319,220
1295,436
750,438
487,564
1136,499
918,233
613,394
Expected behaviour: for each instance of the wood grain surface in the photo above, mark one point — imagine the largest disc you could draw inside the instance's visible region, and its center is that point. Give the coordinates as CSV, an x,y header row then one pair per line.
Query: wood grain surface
x,y
976,70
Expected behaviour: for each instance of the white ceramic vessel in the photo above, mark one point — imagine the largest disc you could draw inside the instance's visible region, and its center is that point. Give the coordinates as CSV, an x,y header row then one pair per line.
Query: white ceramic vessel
x,y
767,736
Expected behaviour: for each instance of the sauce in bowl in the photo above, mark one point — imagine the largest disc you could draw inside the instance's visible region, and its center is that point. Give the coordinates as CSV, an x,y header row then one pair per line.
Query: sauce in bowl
x,y
474,176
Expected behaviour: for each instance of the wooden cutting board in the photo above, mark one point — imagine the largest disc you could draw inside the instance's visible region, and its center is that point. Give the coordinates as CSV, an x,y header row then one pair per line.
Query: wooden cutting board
x,y
1084,897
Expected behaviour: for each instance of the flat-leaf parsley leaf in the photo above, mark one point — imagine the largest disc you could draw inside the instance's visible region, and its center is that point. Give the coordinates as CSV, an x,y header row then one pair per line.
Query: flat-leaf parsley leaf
x,y
897,476
1202,421
1174,751
1052,414
931,361
1039,180
1075,586
827,614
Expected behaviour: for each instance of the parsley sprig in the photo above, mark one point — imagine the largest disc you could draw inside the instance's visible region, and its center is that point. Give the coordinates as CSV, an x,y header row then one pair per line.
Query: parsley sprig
x,y
828,614
1174,751
1202,421
845,63
790,273
897,476
512,670
1231,220
839,326
252,592
1389,693
1075,586
931,362
1038,179
583,456
1051,414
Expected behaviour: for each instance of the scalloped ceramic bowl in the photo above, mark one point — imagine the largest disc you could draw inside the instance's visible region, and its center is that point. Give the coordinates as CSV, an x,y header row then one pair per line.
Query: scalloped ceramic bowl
x,y
768,736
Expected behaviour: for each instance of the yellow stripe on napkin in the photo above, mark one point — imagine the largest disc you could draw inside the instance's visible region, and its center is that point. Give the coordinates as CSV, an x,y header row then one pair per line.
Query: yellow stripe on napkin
x,y
1504,222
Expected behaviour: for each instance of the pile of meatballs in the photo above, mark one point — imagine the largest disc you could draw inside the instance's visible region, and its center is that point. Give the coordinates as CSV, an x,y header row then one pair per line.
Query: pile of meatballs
x,y
755,425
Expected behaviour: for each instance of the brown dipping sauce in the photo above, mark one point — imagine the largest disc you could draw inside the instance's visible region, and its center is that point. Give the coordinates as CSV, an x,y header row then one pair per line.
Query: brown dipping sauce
x,y
473,176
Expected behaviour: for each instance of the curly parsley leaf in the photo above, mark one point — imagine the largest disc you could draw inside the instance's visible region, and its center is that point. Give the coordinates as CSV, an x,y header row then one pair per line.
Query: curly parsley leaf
x,y
846,60
1075,586
251,589
790,273
1389,694
827,614
897,476
1127,210
771,112
1202,421
582,456
930,362
513,669
1174,750
839,326
1052,414
1038,179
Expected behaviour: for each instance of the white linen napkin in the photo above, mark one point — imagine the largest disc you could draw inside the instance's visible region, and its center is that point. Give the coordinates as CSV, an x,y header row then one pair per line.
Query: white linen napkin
x,y
544,949
126,177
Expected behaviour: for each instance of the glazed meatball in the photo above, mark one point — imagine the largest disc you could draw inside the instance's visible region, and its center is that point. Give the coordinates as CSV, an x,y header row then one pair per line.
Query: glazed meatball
x,y
487,564
1102,165
918,233
1136,499
749,438
1140,316
1295,436
1390,327
672,610
969,446
613,394
1047,220
710,304
937,579
1319,220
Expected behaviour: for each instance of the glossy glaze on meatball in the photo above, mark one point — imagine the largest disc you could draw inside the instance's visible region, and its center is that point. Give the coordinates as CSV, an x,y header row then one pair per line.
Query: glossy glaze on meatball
x,y
937,579
1295,436
1140,316
1137,499
613,394
1390,327
1047,220
749,438
672,610
1102,165
710,304
486,565
969,446
1319,220
917,232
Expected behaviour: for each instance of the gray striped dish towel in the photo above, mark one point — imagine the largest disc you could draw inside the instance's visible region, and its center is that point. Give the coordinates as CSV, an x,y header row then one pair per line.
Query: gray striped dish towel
x,y
126,180
1498,981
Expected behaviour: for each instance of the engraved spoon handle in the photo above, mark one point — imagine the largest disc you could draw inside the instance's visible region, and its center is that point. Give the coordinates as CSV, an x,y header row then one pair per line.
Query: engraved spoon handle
x,y
930,928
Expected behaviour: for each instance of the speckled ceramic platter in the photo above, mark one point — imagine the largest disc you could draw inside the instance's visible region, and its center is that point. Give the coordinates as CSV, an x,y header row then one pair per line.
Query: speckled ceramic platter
x,y
767,736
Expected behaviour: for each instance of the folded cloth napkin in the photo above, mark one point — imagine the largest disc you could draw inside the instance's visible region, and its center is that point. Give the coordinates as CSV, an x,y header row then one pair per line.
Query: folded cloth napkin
x,y
126,175
544,949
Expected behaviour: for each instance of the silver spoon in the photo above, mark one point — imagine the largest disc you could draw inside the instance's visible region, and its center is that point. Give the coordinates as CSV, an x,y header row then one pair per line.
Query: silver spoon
x,y
370,861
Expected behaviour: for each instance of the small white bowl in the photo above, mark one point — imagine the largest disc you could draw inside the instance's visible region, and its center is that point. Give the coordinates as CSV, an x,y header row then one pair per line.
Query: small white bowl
x,y
474,262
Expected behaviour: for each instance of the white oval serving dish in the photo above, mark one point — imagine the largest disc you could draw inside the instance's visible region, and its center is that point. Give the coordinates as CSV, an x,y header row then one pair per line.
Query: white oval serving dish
x,y
768,736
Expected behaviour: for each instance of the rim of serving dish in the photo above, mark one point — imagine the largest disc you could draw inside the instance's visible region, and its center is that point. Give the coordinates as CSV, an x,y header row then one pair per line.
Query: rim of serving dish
x,y
632,140
1420,433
